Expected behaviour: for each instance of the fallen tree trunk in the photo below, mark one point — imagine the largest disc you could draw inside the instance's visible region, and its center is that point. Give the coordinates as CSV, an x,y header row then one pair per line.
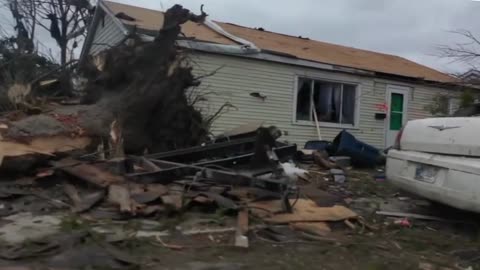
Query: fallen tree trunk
x,y
140,102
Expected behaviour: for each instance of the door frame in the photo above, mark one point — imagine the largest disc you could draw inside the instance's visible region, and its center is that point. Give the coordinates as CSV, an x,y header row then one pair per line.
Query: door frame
x,y
396,89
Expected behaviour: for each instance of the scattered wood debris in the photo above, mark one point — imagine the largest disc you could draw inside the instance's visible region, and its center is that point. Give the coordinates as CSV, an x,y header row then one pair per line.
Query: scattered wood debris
x,y
136,148
304,210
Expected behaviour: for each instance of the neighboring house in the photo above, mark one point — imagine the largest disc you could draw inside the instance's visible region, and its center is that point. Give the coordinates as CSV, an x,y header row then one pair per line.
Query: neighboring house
x,y
471,77
279,79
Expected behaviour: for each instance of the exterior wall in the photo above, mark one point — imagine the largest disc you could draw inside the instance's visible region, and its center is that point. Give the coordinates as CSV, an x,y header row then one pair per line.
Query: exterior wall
x,y
107,34
238,77
420,97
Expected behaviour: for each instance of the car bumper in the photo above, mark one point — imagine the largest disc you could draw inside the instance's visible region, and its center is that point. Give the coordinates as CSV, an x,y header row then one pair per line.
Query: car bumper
x,y
456,182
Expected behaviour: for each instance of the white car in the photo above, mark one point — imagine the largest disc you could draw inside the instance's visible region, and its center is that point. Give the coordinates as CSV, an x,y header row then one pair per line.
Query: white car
x,y
439,159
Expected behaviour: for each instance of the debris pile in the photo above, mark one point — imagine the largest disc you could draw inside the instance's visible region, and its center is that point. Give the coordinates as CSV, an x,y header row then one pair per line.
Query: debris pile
x,y
136,149
131,168
140,103
250,174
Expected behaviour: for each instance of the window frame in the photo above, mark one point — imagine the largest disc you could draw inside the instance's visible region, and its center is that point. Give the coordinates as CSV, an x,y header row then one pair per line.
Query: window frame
x,y
358,90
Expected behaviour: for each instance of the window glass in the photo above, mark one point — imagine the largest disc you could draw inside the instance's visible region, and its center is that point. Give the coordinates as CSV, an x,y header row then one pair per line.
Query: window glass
x,y
304,99
333,102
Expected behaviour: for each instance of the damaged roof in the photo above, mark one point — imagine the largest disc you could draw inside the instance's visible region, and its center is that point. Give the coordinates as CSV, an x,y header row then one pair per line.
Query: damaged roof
x,y
296,47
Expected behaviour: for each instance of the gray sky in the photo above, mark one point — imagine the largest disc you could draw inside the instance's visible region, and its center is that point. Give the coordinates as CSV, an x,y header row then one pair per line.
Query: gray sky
x,y
408,28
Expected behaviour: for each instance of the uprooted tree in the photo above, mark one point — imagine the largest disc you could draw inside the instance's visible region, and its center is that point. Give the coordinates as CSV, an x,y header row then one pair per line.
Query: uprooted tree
x,y
142,104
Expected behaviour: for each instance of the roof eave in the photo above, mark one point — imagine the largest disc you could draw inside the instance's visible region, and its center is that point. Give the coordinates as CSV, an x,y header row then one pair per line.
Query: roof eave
x,y
101,9
285,59
259,55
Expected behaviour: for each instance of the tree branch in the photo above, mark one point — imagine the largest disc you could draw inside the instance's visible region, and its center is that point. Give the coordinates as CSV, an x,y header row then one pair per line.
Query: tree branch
x,y
462,52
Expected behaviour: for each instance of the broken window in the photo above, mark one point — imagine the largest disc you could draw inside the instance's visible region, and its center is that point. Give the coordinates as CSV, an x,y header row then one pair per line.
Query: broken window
x,y
333,102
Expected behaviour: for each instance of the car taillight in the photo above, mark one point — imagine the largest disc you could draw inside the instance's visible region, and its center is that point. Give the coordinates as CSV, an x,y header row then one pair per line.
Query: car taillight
x,y
398,139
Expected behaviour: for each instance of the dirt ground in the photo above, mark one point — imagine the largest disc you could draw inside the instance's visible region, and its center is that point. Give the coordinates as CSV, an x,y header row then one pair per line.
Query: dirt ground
x,y
92,244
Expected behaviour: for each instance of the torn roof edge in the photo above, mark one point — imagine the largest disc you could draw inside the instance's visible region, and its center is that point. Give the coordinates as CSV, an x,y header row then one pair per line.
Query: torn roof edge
x,y
294,60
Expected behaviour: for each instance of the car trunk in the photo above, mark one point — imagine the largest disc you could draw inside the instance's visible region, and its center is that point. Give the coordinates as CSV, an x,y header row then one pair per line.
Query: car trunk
x,y
449,136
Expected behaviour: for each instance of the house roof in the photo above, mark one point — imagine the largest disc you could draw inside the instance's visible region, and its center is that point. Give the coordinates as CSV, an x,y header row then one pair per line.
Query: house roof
x,y
298,47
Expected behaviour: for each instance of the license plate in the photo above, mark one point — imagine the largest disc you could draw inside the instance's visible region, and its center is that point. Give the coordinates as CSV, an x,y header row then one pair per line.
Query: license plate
x,y
426,173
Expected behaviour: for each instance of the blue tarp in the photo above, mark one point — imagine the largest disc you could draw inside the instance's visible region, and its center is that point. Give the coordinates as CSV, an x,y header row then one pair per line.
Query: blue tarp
x,y
361,154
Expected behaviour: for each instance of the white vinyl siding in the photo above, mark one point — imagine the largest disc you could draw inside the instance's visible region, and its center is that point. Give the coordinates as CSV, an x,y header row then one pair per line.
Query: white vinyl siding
x,y
239,77
421,97
107,34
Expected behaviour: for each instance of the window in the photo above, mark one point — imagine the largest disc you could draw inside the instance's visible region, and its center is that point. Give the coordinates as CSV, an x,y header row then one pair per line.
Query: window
x,y
333,102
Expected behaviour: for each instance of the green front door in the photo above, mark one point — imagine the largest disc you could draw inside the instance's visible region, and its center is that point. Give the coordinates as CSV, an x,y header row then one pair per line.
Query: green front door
x,y
397,99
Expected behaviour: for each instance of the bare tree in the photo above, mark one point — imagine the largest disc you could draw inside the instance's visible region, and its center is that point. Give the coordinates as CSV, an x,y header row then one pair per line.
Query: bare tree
x,y
66,20
467,52
24,13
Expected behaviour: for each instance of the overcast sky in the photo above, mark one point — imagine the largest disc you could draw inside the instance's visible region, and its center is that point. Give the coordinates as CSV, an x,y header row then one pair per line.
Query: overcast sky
x,y
408,28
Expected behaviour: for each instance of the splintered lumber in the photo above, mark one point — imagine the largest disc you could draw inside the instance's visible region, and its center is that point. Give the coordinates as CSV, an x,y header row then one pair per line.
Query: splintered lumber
x,y
241,238
119,194
48,134
44,146
316,228
89,173
304,210
83,204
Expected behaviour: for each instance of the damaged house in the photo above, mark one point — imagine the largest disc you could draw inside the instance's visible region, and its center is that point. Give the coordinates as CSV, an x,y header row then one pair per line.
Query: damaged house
x,y
280,79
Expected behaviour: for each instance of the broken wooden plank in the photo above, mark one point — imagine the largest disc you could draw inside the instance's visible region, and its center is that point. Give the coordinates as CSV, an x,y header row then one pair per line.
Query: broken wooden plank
x,y
321,159
241,238
72,193
89,201
120,195
315,228
45,146
80,204
350,224
174,201
146,193
222,202
303,211
148,165
89,173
